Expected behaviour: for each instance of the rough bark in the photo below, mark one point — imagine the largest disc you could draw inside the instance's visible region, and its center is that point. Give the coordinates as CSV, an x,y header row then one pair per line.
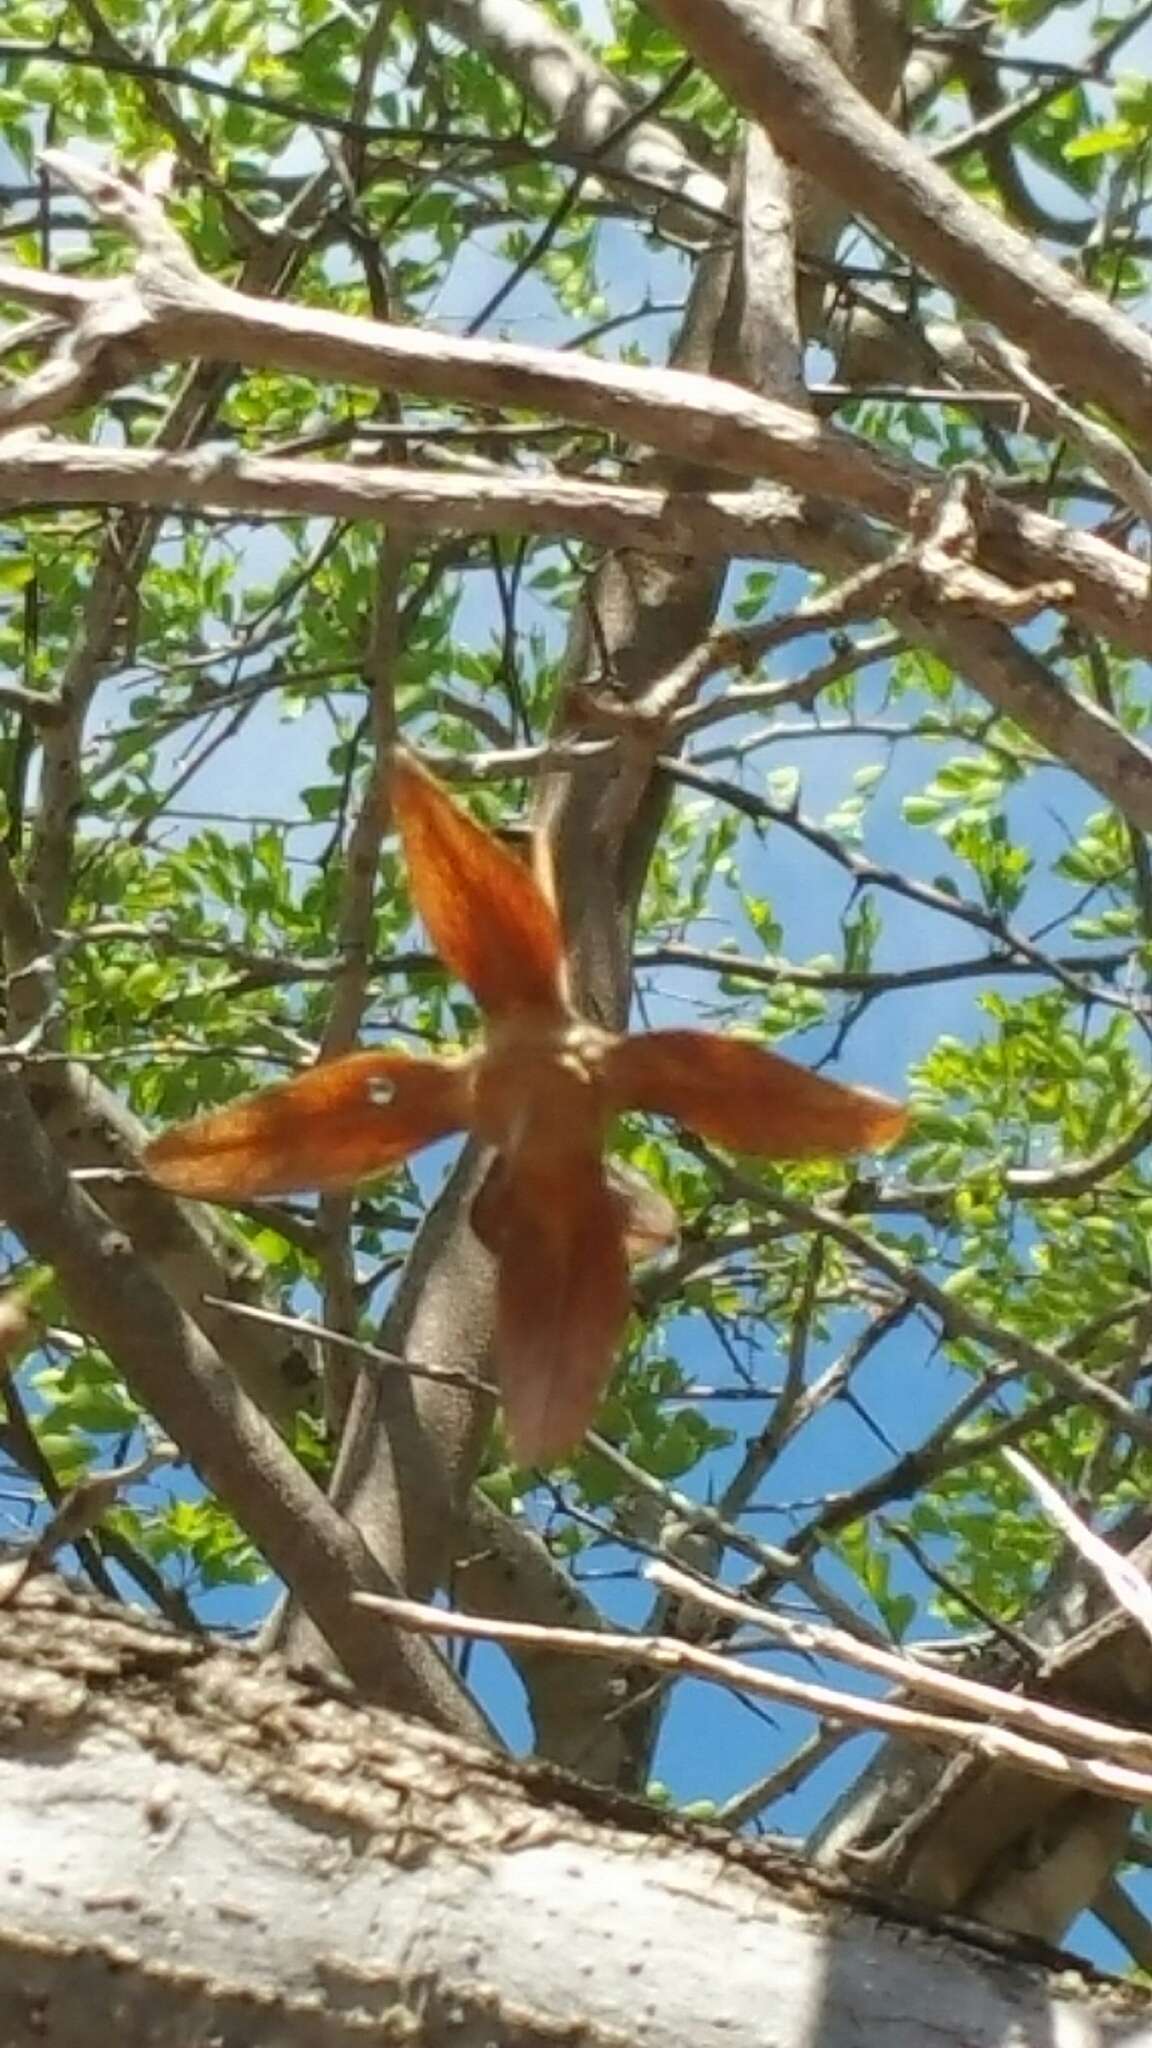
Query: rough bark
x,y
202,1849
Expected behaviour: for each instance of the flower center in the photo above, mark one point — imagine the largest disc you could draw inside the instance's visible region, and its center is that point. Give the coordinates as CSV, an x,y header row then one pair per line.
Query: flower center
x,y
539,1089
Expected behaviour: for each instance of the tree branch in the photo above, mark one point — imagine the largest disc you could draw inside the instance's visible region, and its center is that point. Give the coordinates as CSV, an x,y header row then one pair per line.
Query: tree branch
x,y
181,1380
779,75
948,612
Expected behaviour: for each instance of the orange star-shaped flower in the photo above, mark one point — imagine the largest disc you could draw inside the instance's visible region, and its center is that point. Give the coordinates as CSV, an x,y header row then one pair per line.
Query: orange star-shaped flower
x,y
542,1091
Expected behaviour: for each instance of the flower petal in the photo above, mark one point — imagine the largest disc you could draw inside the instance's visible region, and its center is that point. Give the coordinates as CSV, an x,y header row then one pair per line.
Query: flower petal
x,y
563,1296
485,912
738,1095
339,1123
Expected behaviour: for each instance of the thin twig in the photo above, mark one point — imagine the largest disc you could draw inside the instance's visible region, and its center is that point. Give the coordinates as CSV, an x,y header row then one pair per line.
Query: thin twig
x,y
691,1660
1128,1586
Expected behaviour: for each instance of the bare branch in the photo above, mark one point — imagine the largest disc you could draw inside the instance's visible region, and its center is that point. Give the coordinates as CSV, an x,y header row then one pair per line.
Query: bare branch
x,y
781,76
1106,453
955,1317
82,1507
1128,1586
1118,1912
588,105
182,1381
955,612
911,1674
1072,1177
668,1656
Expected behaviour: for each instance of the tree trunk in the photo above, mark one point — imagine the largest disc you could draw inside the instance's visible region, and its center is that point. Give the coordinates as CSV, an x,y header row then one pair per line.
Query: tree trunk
x,y
198,1849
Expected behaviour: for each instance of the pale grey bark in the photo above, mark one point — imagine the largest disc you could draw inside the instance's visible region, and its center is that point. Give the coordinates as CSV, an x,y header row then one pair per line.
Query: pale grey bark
x,y
595,115
196,1849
